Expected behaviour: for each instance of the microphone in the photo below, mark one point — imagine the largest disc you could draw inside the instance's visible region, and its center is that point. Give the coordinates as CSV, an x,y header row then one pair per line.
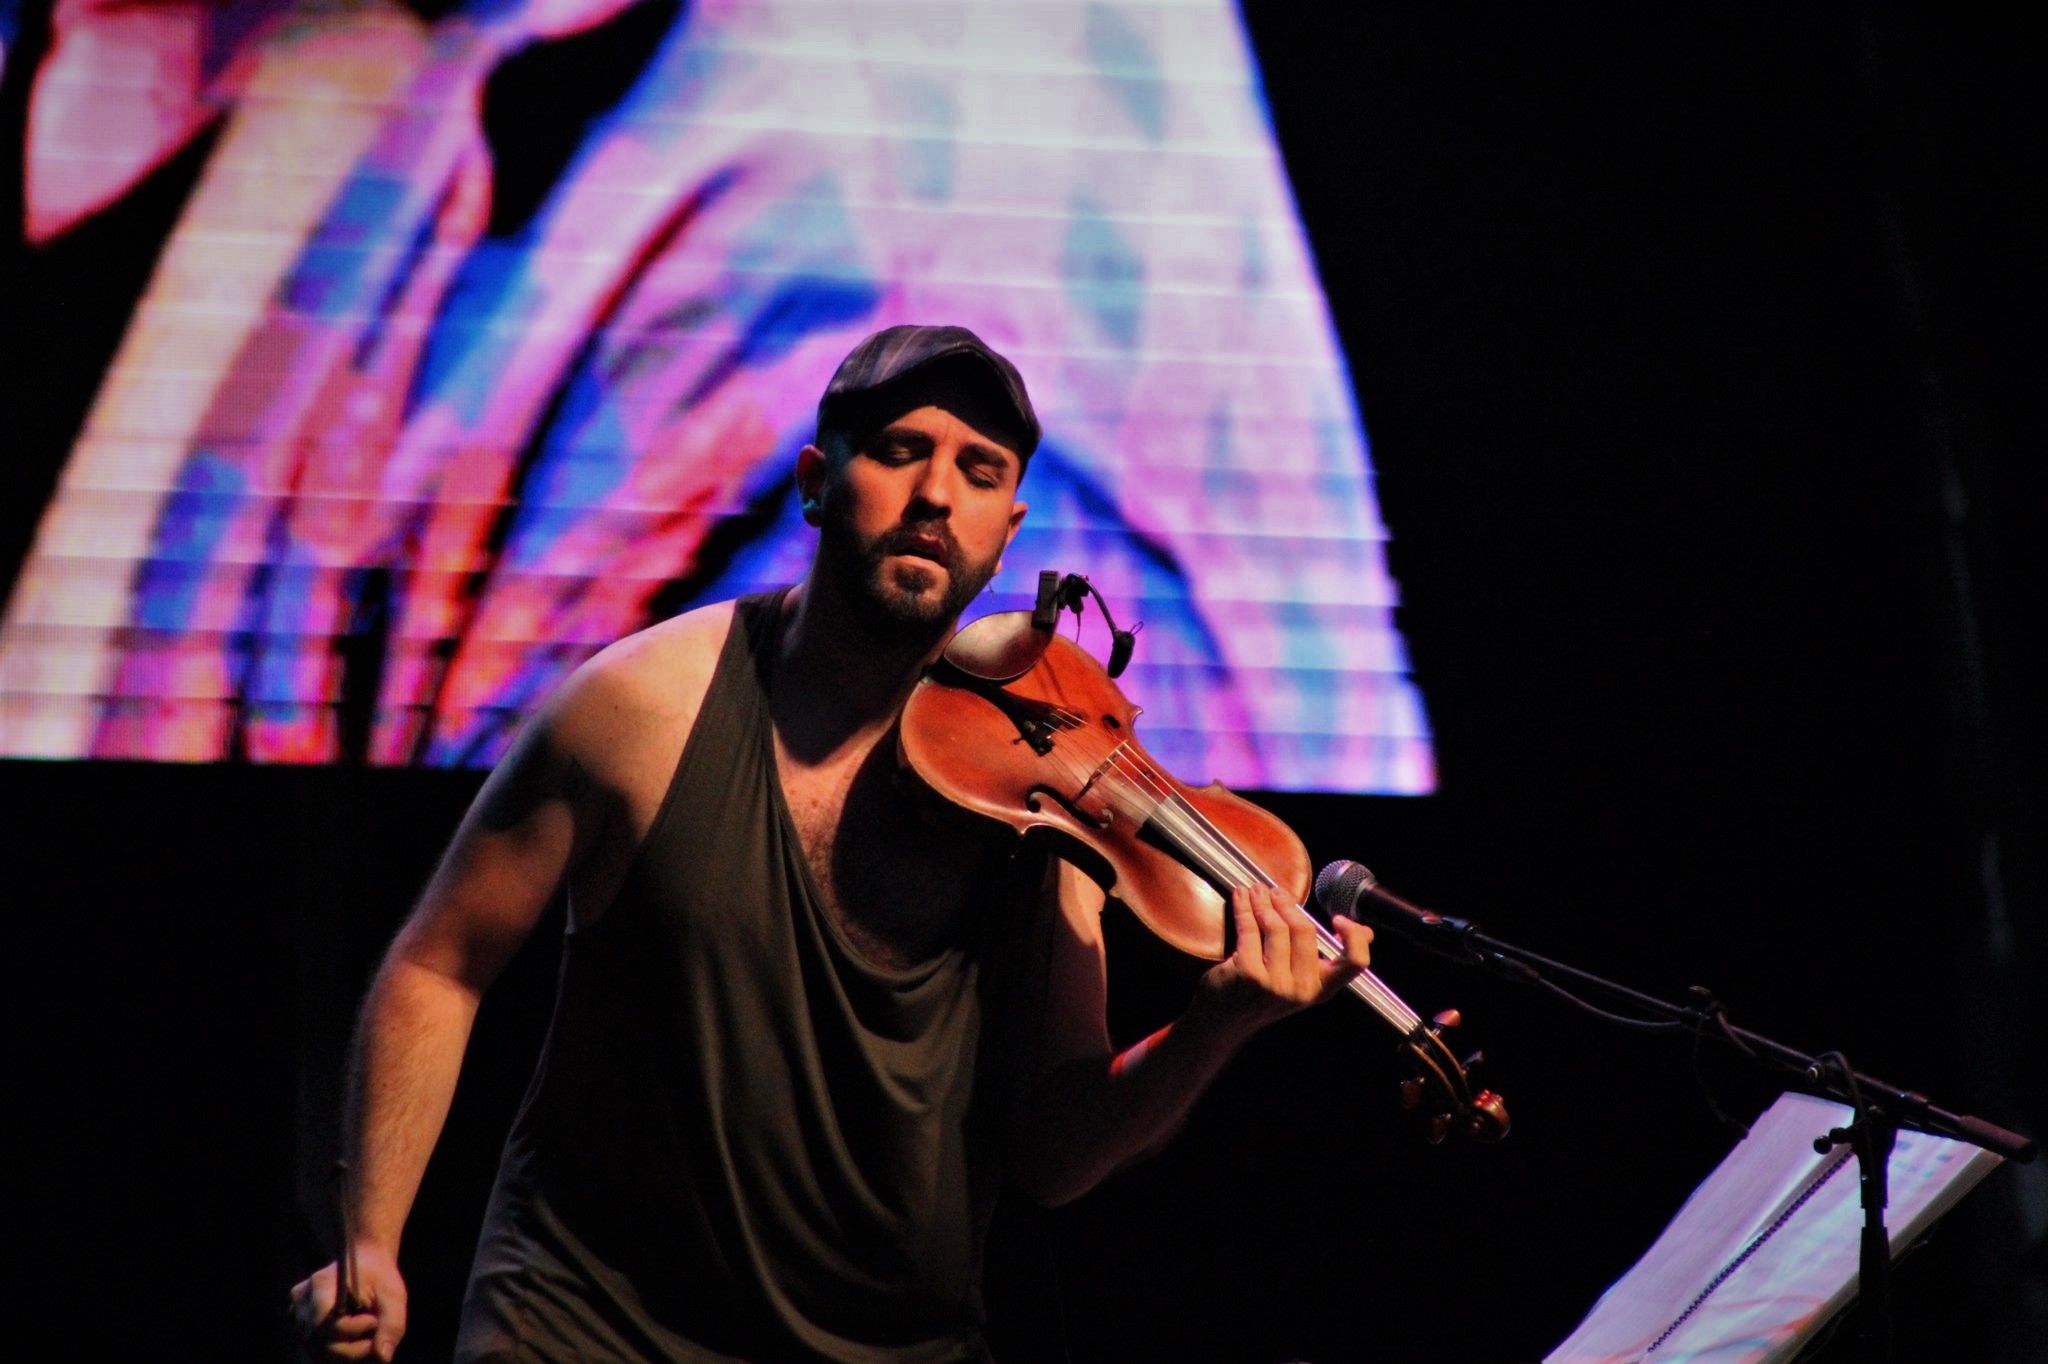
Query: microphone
x,y
1352,890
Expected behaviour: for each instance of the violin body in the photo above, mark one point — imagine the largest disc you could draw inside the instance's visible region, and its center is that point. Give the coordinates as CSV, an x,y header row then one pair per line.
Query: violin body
x,y
1024,726
1052,750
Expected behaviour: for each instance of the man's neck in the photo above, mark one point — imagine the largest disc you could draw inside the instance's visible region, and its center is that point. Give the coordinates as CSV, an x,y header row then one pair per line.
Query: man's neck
x,y
835,683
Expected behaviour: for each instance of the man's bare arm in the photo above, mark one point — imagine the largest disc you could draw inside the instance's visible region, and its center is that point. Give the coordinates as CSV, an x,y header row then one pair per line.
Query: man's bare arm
x,y
535,816
1093,1110
555,811
508,858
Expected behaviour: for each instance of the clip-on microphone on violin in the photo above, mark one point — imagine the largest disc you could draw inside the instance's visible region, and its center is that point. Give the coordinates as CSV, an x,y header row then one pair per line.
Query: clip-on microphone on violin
x,y
1072,592
1005,646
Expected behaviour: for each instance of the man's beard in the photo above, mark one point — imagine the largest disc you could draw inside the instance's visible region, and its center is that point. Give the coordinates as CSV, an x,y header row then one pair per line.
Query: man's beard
x,y
899,615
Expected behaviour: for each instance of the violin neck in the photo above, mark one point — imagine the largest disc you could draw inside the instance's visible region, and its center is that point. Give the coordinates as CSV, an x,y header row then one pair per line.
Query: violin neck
x,y
1205,849
1371,988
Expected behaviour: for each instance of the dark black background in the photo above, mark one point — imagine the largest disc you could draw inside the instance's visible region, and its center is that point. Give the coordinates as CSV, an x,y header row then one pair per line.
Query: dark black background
x,y
1695,356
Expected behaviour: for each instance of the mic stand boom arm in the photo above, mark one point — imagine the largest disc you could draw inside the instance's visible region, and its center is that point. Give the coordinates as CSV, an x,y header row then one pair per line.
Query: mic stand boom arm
x,y
1828,1073
1881,1107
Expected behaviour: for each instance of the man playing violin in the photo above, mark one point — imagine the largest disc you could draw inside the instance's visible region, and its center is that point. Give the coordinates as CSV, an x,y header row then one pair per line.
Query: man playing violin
x,y
789,1053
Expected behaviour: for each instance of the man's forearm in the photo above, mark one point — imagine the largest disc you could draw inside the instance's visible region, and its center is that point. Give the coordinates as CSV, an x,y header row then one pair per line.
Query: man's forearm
x,y
1091,1113
1095,1116
408,1053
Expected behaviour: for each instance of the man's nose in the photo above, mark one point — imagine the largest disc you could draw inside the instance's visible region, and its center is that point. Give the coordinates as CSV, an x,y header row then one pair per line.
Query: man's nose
x,y
937,483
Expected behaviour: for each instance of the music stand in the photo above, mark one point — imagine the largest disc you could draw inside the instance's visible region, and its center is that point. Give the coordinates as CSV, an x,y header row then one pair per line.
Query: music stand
x,y
1764,1252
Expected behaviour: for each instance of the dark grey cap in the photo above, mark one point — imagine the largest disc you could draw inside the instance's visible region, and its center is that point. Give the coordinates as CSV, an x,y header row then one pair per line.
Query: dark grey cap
x,y
901,368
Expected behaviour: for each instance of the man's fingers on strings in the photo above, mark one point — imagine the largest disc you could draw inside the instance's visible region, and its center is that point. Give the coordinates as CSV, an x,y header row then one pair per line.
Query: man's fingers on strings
x,y
1308,962
1251,939
1357,940
1278,949
1357,956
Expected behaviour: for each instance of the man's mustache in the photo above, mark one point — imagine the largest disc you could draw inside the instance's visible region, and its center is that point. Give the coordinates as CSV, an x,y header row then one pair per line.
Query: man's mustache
x,y
927,542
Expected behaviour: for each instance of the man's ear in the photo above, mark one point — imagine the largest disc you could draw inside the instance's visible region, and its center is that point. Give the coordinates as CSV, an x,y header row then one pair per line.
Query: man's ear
x,y
1017,510
812,469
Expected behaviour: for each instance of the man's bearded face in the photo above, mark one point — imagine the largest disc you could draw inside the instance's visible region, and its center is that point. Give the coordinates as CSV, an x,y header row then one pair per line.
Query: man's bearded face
x,y
909,583
914,524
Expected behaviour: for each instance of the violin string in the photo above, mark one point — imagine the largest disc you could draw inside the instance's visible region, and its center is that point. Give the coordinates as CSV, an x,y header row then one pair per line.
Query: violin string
x,y
1196,830
1216,854
1157,801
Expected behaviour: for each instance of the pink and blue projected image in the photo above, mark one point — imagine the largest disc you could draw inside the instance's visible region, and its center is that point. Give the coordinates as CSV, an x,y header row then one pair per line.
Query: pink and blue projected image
x,y
486,333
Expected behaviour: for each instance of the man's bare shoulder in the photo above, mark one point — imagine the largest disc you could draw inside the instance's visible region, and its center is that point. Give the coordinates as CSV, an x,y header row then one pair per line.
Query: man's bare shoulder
x,y
640,696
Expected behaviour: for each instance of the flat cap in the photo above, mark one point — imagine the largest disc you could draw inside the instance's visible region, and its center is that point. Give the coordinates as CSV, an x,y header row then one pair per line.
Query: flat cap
x,y
901,368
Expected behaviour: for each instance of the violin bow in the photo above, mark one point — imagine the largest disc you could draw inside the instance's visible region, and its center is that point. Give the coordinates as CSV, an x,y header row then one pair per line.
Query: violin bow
x,y
347,1298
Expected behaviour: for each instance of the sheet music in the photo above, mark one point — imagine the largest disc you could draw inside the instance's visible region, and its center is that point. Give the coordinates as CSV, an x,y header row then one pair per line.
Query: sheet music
x,y
1764,1253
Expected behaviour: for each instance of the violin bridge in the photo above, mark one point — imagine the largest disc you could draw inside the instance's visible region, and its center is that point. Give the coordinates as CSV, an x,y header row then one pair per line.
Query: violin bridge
x,y
1099,808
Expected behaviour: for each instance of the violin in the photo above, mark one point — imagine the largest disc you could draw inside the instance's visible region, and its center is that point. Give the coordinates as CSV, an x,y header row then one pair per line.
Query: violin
x,y
1020,724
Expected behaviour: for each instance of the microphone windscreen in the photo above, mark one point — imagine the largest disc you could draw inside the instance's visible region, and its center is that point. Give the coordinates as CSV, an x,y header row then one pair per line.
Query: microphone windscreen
x,y
1338,886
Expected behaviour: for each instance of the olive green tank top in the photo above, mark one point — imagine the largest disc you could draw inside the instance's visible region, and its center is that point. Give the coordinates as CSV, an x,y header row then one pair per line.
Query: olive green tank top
x,y
743,1140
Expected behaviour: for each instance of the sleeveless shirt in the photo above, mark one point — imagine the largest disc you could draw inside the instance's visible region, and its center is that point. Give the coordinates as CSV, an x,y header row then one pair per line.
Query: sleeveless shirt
x,y
743,1140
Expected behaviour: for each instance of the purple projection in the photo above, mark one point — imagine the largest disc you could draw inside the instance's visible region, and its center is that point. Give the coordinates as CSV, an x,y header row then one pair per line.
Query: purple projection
x,y
486,334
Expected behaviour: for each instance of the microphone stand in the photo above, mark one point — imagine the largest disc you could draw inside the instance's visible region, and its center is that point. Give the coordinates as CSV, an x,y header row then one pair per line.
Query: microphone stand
x,y
1881,1108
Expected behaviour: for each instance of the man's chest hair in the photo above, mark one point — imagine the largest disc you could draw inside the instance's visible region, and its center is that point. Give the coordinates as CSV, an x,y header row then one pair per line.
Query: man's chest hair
x,y
895,867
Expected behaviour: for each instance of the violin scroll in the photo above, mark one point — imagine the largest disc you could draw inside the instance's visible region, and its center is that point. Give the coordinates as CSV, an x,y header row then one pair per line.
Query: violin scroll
x,y
1475,1114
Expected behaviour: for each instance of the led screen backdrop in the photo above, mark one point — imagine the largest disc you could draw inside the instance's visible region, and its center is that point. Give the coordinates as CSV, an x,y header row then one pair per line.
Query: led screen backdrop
x,y
485,334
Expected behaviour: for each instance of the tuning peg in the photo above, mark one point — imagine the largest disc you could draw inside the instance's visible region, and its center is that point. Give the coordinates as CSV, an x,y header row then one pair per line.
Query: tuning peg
x,y
1449,1018
1487,1117
1411,1093
1439,1128
1474,1061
